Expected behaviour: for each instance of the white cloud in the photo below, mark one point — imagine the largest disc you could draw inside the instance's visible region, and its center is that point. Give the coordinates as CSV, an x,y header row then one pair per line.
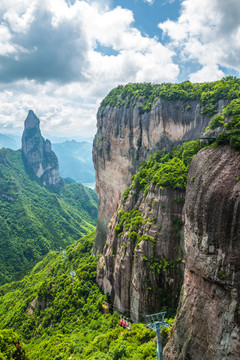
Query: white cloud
x,y
60,108
19,22
149,1
207,32
209,72
53,60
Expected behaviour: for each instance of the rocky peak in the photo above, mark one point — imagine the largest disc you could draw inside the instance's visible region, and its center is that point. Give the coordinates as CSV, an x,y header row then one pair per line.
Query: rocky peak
x,y
38,154
32,121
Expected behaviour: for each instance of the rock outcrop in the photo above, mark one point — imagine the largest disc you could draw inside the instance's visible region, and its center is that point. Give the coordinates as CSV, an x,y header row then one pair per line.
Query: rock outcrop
x,y
126,136
38,154
143,272
208,321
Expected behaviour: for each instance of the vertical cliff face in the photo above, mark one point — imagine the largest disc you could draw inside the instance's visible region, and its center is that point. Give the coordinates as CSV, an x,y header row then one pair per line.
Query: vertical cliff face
x,y
208,321
126,136
38,154
141,267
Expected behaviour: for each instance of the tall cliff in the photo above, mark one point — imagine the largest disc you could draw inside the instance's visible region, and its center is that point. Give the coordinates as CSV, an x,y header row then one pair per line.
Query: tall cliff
x,y
152,239
126,135
143,259
38,154
141,267
208,321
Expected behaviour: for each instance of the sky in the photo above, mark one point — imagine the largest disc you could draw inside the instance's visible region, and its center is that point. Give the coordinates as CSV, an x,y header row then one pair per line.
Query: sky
x,y
60,58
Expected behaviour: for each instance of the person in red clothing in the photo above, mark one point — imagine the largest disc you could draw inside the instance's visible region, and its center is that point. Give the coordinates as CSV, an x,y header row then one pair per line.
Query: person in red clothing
x,y
121,321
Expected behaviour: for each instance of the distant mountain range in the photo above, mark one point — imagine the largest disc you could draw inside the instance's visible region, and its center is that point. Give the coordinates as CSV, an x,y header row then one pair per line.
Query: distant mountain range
x,y
75,160
10,141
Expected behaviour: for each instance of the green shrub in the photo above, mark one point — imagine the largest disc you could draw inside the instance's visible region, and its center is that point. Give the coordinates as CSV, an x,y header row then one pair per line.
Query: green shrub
x,y
128,221
216,121
223,139
126,193
235,142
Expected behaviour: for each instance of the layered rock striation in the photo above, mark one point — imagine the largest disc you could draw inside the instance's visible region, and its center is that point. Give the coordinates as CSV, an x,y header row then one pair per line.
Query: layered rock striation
x,y
208,321
126,136
141,267
38,154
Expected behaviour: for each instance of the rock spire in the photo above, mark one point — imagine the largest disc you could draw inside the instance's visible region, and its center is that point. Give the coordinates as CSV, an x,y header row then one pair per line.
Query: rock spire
x,y
38,154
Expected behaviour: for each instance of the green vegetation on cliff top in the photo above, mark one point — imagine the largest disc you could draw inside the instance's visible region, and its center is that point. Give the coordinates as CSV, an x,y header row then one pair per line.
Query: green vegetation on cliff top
x,y
207,93
59,319
35,220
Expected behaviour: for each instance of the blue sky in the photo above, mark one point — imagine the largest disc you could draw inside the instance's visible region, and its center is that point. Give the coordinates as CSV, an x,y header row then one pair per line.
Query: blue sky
x,y
60,58
148,15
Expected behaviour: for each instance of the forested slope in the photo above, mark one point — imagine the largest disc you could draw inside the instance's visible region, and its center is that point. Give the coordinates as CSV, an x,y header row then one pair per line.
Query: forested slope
x,y
61,319
34,220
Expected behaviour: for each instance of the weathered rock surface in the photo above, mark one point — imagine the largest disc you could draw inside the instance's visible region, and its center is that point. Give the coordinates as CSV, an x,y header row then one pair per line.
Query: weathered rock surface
x,y
125,137
142,276
208,321
38,154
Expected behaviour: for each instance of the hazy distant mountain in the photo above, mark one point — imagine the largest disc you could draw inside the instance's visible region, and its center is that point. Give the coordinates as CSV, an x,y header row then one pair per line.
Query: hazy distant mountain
x,y
10,141
75,160
61,139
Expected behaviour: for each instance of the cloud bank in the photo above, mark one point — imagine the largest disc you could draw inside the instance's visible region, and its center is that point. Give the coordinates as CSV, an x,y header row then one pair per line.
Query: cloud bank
x,y
61,57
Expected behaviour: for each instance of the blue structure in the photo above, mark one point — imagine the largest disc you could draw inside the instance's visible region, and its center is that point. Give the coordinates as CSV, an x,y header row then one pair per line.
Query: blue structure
x,y
155,322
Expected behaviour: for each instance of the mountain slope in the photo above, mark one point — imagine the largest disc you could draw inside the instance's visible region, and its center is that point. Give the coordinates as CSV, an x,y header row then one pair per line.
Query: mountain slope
x,y
59,319
34,220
